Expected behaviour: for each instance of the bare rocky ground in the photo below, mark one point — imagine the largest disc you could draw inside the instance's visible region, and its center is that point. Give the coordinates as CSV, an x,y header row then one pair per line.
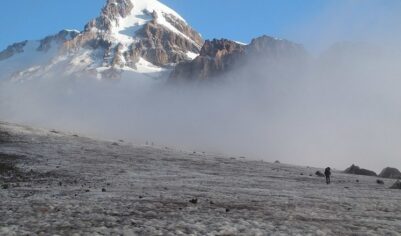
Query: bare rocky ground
x,y
55,183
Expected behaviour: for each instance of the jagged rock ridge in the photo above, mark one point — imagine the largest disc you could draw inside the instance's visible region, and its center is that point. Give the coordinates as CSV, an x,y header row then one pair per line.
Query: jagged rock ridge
x,y
218,57
12,50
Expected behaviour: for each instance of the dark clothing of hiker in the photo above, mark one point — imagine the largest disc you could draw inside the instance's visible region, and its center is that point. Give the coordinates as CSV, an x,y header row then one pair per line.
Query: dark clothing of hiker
x,y
327,173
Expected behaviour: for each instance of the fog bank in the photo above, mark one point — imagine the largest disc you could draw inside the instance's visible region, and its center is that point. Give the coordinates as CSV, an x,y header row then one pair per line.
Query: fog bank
x,y
340,108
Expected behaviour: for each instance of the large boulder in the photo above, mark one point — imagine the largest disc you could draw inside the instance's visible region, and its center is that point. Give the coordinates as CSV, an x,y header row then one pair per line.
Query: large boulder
x,y
356,170
320,174
396,185
390,173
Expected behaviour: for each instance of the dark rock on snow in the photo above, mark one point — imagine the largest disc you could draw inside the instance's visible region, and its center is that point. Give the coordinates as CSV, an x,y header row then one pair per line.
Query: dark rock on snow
x,y
390,173
194,201
320,174
356,170
396,185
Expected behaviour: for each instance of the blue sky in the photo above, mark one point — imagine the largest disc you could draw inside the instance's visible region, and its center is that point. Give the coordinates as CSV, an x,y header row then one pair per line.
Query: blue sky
x,y
314,23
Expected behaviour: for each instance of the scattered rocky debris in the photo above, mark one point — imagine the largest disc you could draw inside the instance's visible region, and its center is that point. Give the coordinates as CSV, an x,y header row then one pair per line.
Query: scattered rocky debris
x,y
379,181
103,190
193,201
4,136
7,168
8,171
356,170
12,175
319,173
396,185
390,173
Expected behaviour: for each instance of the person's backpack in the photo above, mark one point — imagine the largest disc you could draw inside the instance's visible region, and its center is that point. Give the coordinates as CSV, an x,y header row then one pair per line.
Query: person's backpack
x,y
327,171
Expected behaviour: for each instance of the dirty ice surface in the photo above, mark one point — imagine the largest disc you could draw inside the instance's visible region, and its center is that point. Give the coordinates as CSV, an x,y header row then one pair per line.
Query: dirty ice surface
x,y
64,184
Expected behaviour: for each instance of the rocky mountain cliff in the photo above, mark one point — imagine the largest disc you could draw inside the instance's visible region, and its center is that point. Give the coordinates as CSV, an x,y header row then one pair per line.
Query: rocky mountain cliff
x,y
140,36
218,57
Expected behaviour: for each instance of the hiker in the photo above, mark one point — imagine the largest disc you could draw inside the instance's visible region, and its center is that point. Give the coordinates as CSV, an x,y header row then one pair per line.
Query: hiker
x,y
327,173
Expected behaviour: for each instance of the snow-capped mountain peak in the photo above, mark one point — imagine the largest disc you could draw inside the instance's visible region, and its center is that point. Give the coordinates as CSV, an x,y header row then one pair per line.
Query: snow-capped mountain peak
x,y
141,36
123,18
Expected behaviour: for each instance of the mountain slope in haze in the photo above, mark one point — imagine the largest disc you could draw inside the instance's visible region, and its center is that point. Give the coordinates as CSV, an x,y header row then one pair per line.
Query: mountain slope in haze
x,y
138,36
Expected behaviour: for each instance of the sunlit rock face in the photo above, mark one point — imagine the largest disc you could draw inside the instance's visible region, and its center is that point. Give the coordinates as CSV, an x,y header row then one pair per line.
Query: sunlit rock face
x,y
218,57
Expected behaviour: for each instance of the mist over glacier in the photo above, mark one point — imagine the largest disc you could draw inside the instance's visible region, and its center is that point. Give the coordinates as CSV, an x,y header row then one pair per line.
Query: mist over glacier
x,y
336,109
341,106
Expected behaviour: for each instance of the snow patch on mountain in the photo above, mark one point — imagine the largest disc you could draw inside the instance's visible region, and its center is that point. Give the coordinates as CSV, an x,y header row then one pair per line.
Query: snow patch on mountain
x,y
124,29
